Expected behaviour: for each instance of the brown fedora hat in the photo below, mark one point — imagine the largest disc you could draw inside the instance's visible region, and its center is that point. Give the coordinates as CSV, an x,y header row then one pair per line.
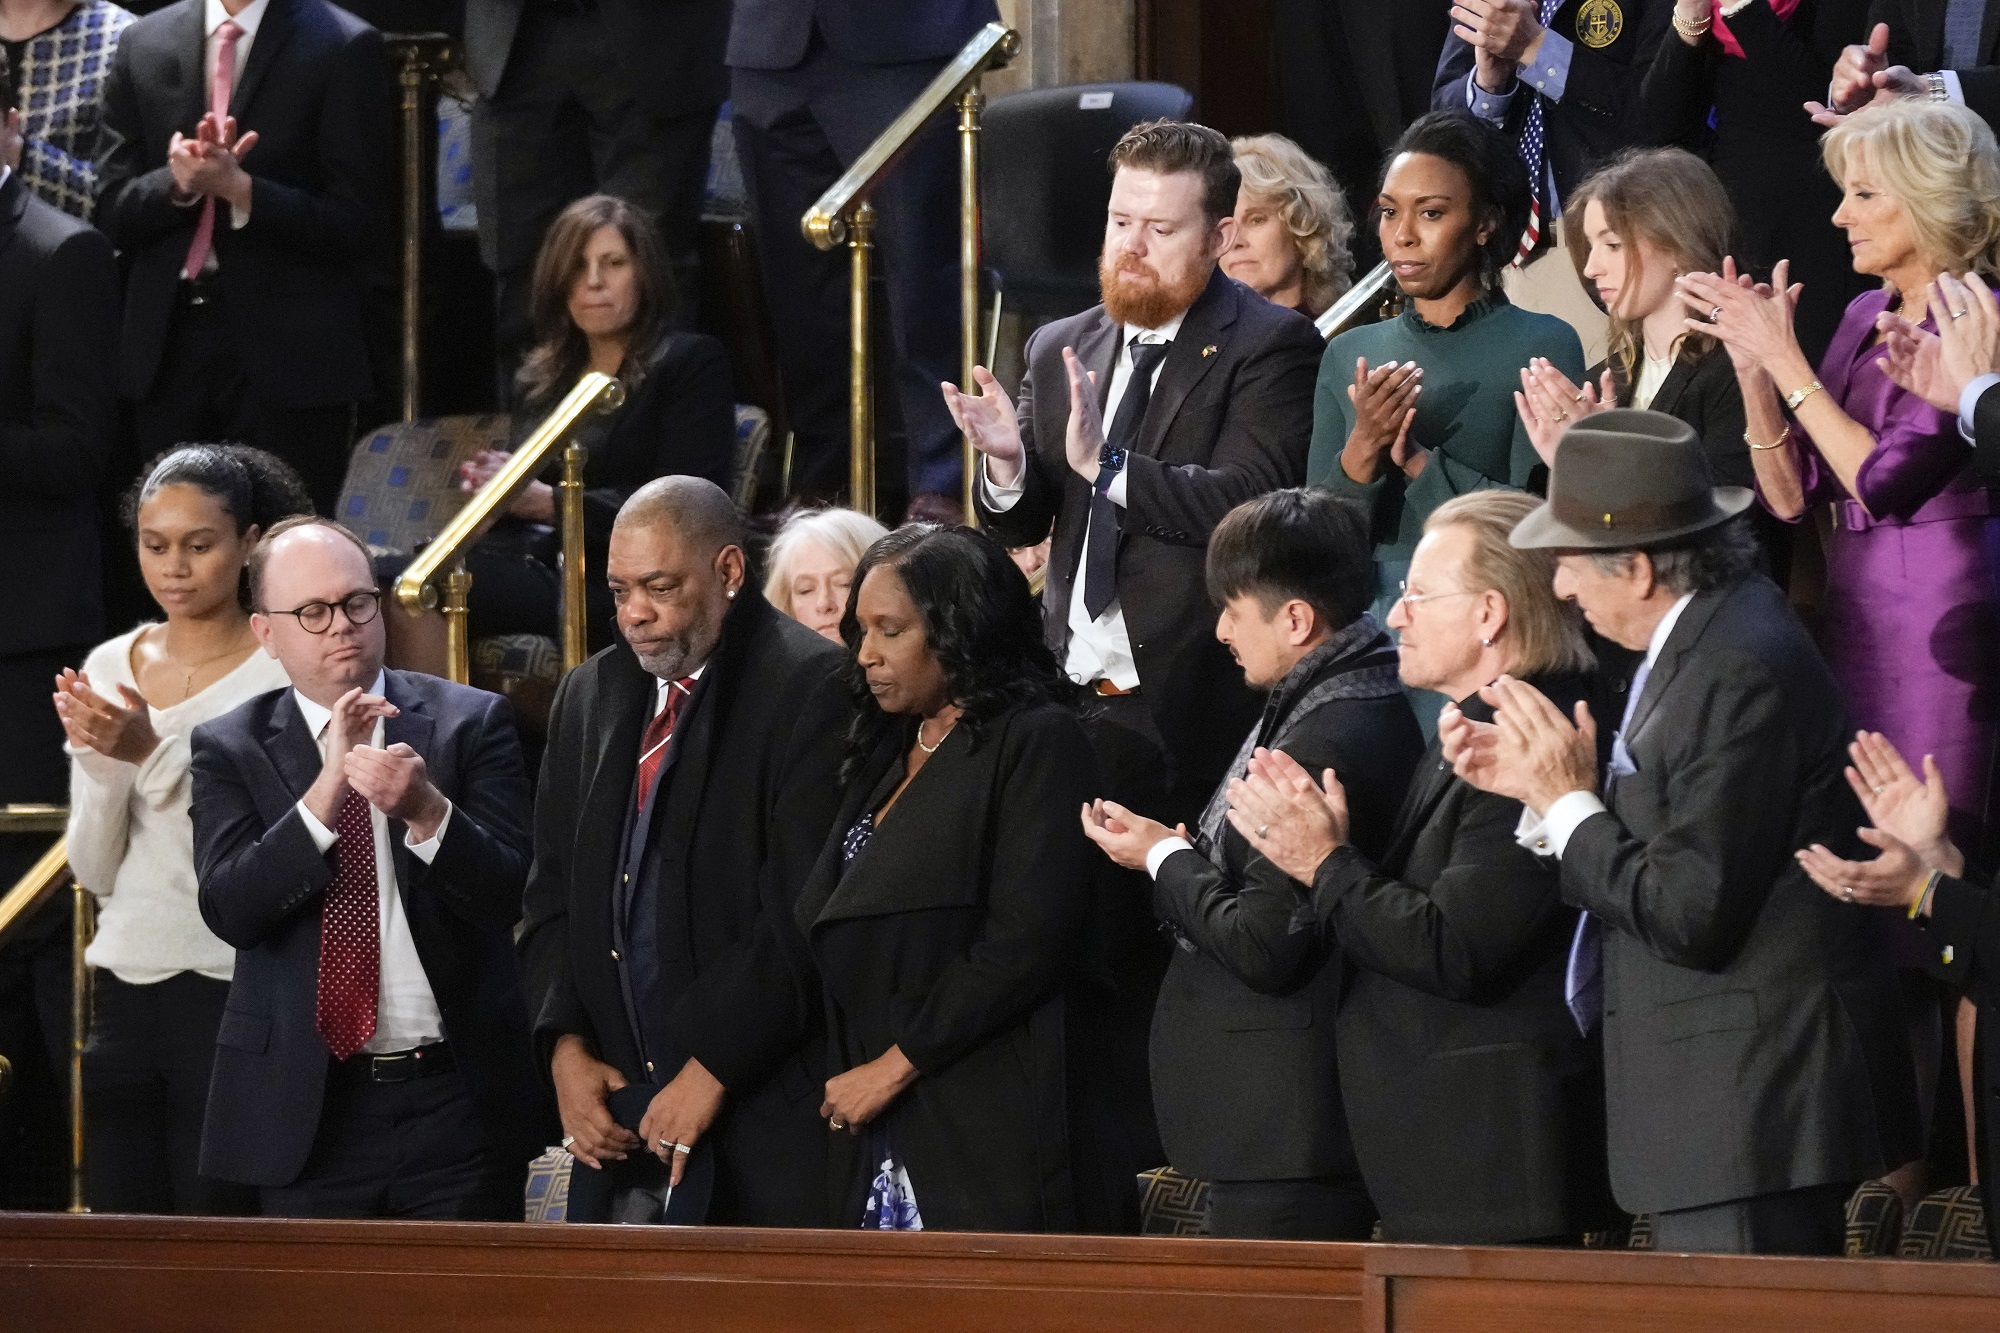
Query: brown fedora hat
x,y
1625,479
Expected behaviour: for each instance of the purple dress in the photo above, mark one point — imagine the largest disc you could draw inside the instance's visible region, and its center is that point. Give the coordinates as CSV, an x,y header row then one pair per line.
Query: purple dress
x,y
1910,622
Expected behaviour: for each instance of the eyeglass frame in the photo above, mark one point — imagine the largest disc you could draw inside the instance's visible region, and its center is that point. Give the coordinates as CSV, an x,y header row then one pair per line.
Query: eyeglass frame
x,y
372,596
1407,598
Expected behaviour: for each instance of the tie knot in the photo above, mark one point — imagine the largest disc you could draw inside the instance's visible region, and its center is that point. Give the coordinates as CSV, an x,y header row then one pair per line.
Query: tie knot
x,y
229,32
1147,355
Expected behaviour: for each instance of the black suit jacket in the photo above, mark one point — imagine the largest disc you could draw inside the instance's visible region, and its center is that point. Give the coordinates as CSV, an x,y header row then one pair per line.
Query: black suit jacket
x,y
774,34
1476,1106
747,795
1986,434
669,51
58,308
1916,39
261,883
1230,418
316,90
1243,1045
1964,926
1600,110
1753,1039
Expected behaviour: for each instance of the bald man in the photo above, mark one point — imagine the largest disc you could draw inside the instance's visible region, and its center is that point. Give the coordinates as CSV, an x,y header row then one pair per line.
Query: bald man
x,y
691,780
361,838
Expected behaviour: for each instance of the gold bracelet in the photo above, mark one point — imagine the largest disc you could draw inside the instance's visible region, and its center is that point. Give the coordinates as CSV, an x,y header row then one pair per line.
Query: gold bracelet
x,y
1772,445
1694,32
1797,396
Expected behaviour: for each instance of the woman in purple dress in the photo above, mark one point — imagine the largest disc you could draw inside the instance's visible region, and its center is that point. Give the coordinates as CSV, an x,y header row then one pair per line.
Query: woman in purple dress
x,y
1909,625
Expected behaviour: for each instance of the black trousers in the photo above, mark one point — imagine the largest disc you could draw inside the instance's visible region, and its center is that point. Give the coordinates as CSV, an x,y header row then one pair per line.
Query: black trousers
x,y
796,131
1803,1221
407,1150
564,124
145,1087
202,394
1319,1208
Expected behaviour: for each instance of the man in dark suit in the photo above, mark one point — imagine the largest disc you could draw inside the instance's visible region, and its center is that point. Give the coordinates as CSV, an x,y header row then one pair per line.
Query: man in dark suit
x,y
691,779
1208,390
579,97
812,82
1945,50
1245,1078
1756,1064
362,839
58,308
248,179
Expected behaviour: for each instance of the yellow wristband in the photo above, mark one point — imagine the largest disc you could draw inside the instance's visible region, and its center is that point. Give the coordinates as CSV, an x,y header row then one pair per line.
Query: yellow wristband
x,y
1929,886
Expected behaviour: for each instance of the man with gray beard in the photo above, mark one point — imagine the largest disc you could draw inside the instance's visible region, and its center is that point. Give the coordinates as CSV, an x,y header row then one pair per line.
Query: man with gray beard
x,y
690,781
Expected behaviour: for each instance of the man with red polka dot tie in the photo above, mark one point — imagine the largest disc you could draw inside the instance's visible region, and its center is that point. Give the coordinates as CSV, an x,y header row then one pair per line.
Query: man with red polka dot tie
x,y
362,840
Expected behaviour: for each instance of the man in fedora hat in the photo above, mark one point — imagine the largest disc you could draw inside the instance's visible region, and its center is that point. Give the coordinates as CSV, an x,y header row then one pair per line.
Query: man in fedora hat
x,y
1756,1067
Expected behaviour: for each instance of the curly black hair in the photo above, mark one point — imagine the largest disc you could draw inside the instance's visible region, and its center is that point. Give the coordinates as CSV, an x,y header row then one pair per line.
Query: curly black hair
x,y
1491,165
981,624
252,486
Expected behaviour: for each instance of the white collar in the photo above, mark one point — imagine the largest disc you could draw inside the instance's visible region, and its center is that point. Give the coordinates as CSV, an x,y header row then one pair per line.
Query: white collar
x,y
317,717
660,687
252,15
5,172
1665,628
1164,334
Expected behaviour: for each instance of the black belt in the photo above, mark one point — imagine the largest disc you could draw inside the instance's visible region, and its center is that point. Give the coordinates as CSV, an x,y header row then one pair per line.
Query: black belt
x,y
400,1066
198,290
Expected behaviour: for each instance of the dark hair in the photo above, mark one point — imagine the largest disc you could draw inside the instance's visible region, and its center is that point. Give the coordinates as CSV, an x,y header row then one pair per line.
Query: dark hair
x,y
1491,165
253,488
260,555
1713,558
981,624
1303,543
1172,146
561,351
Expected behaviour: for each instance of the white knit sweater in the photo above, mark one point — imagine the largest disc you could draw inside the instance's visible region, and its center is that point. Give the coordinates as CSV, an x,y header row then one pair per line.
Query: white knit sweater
x,y
130,841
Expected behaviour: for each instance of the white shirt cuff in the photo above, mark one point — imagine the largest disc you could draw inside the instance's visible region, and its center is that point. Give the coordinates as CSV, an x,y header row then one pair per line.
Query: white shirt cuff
x,y
322,836
239,218
1968,400
1157,855
1550,834
1001,498
1954,91
1115,492
427,850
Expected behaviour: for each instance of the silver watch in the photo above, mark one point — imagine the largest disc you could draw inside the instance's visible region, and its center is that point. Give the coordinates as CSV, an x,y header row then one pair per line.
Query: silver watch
x,y
1938,91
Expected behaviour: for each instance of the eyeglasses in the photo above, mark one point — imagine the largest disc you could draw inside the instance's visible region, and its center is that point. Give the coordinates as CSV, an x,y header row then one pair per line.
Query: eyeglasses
x,y
317,617
1415,599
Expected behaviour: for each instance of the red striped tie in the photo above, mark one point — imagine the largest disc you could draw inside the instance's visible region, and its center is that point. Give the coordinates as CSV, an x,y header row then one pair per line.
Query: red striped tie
x,y
350,936
653,749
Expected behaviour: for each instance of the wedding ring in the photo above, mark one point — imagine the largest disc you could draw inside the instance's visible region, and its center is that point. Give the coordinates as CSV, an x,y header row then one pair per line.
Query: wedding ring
x,y
568,1139
1562,416
1262,829
1878,791
836,1123
1579,395
665,1143
1847,892
1958,314
1715,315
682,1149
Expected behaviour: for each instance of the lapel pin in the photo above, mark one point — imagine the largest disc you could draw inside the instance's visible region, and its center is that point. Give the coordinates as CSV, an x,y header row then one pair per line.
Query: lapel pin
x,y
1208,350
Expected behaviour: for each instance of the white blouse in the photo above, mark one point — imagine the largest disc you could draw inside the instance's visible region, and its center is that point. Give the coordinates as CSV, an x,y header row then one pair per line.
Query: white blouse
x,y
130,841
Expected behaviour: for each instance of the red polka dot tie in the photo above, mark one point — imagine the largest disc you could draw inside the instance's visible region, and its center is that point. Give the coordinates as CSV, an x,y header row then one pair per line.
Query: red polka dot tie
x,y
350,940
653,749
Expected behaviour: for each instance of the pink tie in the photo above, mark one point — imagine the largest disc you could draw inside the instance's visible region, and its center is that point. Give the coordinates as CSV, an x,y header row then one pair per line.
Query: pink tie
x,y
218,105
350,938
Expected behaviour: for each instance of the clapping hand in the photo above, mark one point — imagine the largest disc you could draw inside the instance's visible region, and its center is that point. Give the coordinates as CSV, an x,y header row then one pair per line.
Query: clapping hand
x,y
395,781
1123,836
1290,820
1548,402
1084,440
1937,367
1863,77
91,721
990,422
1385,407
352,725
1753,320
1503,35
536,502
1910,809
1529,752
210,164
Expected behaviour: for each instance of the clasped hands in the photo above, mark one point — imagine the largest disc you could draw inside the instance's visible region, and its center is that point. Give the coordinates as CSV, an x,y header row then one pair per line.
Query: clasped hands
x,y
1529,752
990,421
535,502
393,779
1503,34
211,164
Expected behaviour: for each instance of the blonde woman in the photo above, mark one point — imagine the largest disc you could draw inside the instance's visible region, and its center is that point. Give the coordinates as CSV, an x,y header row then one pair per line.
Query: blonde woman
x,y
1909,625
1292,227
811,565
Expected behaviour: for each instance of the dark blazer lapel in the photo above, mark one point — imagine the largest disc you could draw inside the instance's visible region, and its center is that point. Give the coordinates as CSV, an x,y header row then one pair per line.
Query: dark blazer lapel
x,y
188,45
1206,326
1427,791
414,727
1676,384
272,35
294,751
13,206
1686,633
922,812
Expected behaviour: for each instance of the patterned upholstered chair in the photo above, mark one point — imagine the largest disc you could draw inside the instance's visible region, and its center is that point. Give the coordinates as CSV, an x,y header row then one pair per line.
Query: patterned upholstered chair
x,y
1171,1204
1874,1221
1948,1224
548,1187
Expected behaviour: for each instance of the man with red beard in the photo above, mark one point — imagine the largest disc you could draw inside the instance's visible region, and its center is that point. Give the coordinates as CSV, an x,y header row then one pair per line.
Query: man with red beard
x,y
1181,396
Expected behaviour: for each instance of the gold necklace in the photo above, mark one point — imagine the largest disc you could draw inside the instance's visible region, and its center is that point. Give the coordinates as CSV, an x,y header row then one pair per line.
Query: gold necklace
x,y
932,749
187,682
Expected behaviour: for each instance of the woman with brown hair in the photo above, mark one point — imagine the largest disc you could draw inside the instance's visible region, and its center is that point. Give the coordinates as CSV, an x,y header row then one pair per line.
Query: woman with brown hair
x,y
602,290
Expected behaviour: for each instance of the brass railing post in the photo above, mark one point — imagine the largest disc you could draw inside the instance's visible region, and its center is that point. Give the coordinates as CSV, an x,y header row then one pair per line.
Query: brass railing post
x,y
83,922
457,638
970,103
575,646
418,58
860,370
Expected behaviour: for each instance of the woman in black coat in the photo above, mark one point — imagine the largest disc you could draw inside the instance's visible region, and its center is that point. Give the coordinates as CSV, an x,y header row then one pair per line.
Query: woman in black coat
x,y
601,294
1475,1103
946,912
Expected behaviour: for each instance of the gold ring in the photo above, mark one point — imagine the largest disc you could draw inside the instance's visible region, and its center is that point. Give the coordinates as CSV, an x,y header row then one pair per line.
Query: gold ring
x,y
836,1123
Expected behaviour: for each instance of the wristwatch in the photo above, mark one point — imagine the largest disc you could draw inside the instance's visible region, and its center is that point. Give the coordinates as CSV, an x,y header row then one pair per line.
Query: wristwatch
x,y
1110,462
1939,90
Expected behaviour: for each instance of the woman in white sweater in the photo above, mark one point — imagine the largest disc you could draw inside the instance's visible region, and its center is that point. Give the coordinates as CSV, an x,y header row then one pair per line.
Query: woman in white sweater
x,y
161,976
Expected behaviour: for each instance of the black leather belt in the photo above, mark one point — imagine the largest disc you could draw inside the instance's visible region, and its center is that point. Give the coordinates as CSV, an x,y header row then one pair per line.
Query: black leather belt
x,y
400,1066
197,290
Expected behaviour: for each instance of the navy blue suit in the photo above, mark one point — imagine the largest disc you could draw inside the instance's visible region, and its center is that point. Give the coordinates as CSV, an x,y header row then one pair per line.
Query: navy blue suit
x,y
262,880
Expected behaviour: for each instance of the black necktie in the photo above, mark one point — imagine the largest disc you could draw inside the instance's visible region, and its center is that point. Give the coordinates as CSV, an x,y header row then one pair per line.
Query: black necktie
x,y
1100,555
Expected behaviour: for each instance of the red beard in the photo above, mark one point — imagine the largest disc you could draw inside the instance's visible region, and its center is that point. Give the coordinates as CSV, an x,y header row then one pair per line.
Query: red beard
x,y
1145,301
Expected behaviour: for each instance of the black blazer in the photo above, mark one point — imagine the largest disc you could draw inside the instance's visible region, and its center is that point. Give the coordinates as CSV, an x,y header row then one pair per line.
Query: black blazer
x,y
1964,927
261,879
952,935
1599,110
669,52
1230,419
1916,39
773,34
748,791
316,89
1986,434
1753,1038
1476,1106
1243,1046
58,308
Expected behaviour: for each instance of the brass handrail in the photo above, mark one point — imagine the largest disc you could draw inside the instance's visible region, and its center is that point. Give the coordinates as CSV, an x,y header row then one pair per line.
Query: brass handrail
x,y
843,214
416,590
43,880
1377,285
33,818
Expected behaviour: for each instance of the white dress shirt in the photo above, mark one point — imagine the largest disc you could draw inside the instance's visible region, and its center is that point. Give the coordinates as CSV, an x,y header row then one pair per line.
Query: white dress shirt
x,y
406,1012
1099,649
1548,835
